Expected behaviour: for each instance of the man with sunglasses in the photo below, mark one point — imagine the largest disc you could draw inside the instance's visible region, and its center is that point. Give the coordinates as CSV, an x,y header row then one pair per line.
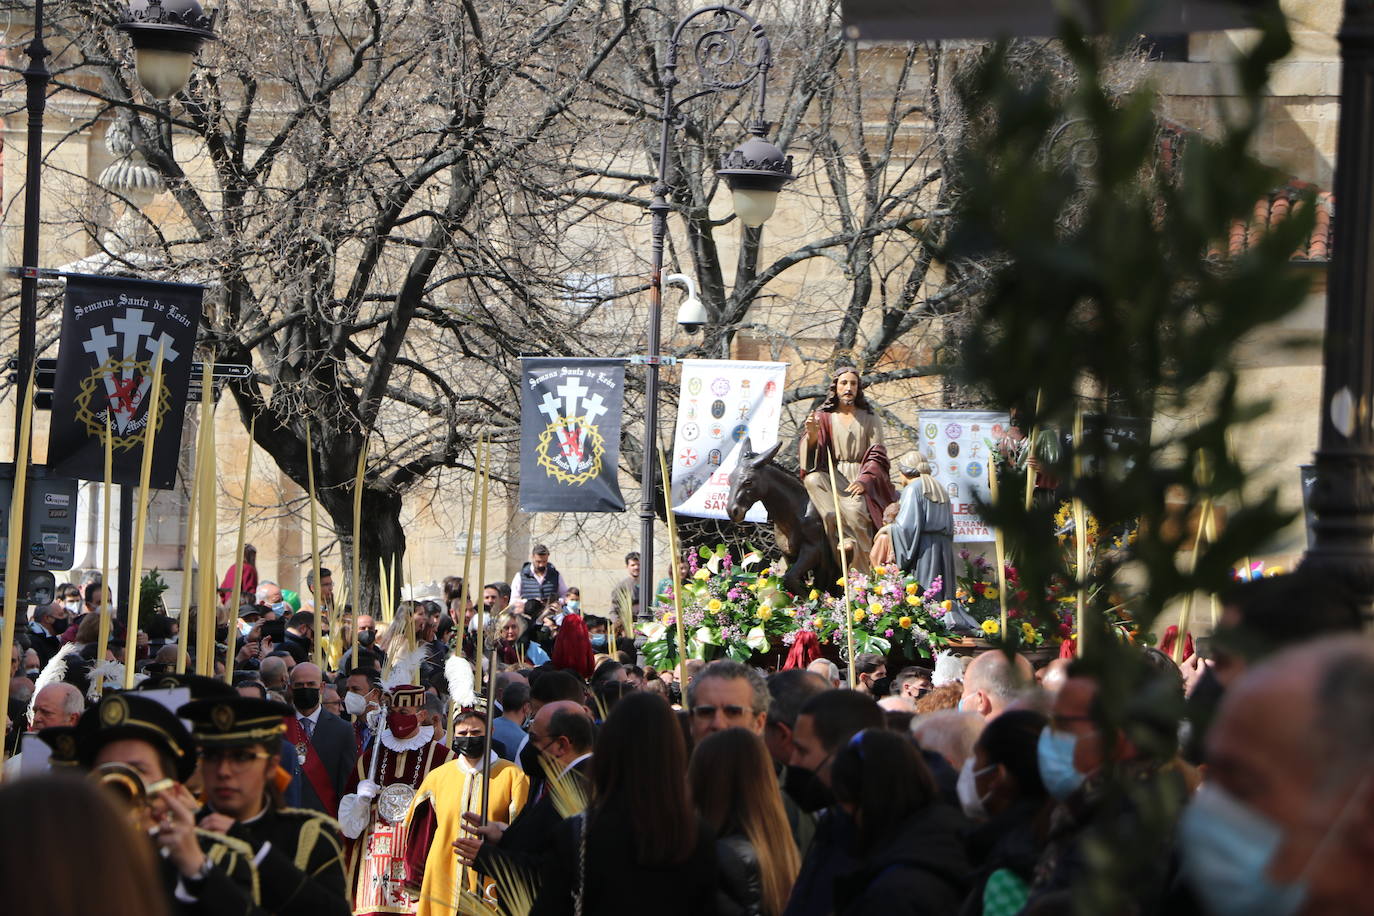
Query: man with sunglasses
x,y
297,853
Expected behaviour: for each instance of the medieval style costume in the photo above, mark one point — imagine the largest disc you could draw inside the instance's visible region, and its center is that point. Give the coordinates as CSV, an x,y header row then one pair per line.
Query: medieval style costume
x,y
380,793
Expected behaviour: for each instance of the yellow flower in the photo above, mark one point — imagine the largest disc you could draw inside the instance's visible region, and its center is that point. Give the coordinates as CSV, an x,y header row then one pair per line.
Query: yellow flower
x,y
914,588
813,596
947,604
1028,632
840,581
791,612
990,627
765,571
960,594
703,574
713,605
990,593
875,609
904,623
765,613
913,600
858,615
879,570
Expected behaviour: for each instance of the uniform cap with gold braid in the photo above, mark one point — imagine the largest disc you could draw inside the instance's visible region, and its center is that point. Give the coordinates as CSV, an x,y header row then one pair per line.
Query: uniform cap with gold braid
x,y
120,716
61,739
235,721
407,697
199,685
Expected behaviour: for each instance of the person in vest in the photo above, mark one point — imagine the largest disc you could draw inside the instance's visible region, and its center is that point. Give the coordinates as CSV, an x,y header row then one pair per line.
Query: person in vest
x,y
538,579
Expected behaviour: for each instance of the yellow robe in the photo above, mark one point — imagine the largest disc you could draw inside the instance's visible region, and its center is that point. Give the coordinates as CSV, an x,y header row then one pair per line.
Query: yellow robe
x,y
451,790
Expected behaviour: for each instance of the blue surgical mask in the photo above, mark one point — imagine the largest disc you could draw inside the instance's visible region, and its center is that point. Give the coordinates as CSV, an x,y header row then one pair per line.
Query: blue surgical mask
x,y
1055,753
598,640
1227,848
574,604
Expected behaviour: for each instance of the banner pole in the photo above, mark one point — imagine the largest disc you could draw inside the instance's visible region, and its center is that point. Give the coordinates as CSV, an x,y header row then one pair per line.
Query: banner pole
x,y
154,421
208,594
482,557
675,570
106,611
844,566
1000,547
14,559
188,550
237,593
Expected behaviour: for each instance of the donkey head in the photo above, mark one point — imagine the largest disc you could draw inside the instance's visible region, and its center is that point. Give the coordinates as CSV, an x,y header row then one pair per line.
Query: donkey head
x,y
747,484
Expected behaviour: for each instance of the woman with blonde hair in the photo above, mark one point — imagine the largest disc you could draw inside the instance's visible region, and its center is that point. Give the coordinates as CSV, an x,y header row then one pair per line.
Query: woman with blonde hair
x,y
735,790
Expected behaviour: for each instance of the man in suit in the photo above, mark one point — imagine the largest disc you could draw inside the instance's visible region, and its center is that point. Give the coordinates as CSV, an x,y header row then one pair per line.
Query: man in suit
x,y
562,732
323,741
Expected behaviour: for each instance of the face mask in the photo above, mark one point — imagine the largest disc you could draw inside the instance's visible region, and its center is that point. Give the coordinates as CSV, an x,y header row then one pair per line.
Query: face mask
x,y
402,724
470,745
574,604
73,606
245,628
32,673
280,608
305,699
598,640
1227,848
355,704
1055,753
366,637
969,799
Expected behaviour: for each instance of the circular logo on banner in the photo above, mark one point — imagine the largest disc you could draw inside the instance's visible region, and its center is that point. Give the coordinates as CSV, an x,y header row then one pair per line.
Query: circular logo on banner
x,y
717,409
687,457
692,411
953,431
997,431
690,431
954,450
770,387
694,386
713,457
720,387
932,430
739,432
975,469
717,431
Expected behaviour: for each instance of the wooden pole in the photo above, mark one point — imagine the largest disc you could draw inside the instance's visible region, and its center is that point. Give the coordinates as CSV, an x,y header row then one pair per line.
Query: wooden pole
x,y
844,568
675,570
106,610
188,551
154,421
1030,451
316,592
235,595
359,480
14,558
482,556
1080,532
466,588
1000,548
208,594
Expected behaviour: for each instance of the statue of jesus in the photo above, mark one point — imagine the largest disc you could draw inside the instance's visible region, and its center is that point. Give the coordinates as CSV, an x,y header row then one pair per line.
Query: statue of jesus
x,y
846,430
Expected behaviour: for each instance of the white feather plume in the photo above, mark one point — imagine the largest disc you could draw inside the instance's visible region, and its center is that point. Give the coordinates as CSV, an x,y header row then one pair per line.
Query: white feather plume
x,y
53,672
406,669
105,674
458,671
948,670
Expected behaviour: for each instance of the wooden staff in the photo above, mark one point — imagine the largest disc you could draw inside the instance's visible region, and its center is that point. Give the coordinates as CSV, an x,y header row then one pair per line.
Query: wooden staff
x,y
464,591
1030,452
359,480
1080,531
675,570
317,591
188,551
106,611
486,745
1000,548
208,593
14,559
844,568
235,595
154,420
482,557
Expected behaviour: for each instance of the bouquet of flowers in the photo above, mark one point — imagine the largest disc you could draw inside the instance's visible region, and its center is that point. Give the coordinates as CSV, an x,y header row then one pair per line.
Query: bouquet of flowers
x,y
890,610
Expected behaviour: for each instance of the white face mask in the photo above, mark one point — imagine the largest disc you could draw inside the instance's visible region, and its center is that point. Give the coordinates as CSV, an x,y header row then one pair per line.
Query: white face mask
x,y
355,704
73,606
969,799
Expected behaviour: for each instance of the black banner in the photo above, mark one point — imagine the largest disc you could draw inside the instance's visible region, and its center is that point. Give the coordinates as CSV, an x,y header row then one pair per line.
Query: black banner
x,y
112,327
570,434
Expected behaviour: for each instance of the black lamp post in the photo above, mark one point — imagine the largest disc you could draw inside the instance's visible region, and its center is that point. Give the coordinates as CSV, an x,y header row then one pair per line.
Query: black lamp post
x,y
166,36
754,171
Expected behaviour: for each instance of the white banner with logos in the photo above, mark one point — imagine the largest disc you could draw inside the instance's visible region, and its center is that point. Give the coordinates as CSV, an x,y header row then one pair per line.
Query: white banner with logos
x,y
722,401
959,445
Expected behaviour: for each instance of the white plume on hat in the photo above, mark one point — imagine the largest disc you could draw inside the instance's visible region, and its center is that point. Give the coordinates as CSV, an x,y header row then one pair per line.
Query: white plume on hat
x,y
406,669
948,670
53,672
107,674
427,592
458,671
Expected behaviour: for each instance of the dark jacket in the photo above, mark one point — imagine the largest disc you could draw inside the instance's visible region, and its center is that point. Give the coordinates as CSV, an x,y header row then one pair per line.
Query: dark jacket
x,y
333,741
1012,841
831,854
613,880
921,869
739,888
530,836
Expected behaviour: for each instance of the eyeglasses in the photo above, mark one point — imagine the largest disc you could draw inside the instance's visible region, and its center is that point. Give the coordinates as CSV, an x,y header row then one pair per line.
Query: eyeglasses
x,y
709,712
234,756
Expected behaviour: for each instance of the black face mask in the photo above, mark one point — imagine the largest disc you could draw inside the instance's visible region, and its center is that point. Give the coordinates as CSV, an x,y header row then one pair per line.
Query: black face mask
x,y
305,699
470,745
365,638
529,762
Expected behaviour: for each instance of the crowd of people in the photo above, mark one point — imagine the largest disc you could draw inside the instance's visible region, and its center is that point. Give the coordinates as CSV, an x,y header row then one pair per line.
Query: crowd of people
x,y
555,774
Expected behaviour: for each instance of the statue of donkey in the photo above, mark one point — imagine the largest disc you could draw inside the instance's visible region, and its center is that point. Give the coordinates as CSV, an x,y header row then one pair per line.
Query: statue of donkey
x,y
797,526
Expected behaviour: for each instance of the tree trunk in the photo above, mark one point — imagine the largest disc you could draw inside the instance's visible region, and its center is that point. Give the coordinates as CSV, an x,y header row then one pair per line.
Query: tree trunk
x,y
383,541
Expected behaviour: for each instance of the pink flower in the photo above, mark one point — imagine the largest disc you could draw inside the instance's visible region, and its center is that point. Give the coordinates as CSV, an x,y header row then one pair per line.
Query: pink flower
x,y
887,633
733,593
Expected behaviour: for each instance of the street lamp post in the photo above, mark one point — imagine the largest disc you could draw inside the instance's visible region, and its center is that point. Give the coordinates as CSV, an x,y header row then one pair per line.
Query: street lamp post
x,y
166,34
755,171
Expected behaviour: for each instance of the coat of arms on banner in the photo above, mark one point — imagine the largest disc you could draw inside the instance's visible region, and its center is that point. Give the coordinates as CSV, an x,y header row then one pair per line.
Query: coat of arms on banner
x,y
122,380
570,434
571,447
